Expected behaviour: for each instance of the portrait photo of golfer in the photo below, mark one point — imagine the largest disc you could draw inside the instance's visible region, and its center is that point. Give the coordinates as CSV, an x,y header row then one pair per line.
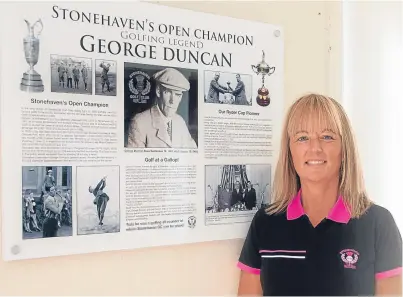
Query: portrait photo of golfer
x,y
105,78
98,199
160,107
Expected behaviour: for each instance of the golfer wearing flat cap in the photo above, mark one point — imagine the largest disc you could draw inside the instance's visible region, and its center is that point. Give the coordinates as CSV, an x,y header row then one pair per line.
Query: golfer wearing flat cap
x,y
161,126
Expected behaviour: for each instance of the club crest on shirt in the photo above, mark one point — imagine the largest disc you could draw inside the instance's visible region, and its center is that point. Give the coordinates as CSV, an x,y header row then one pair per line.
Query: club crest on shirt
x,y
349,258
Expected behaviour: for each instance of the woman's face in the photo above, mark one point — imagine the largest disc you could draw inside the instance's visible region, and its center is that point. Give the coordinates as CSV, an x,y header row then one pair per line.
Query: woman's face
x,y
316,153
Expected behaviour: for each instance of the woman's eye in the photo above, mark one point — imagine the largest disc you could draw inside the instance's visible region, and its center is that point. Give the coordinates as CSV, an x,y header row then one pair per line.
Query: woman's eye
x,y
302,138
328,137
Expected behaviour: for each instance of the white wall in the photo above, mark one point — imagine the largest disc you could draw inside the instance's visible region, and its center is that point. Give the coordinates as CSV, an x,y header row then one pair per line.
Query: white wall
x,y
311,64
373,94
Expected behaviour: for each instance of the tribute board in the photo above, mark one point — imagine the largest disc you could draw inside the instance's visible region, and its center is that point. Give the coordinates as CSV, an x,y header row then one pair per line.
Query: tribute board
x,y
133,125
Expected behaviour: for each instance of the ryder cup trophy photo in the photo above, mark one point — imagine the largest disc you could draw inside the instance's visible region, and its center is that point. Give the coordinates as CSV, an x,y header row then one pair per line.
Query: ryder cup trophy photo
x,y
31,80
263,69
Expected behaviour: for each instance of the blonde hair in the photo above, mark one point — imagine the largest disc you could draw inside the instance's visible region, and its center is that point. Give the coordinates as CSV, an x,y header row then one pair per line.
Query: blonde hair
x,y
328,113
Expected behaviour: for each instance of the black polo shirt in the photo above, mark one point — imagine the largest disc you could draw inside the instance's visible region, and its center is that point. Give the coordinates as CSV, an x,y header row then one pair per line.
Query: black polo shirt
x,y
340,256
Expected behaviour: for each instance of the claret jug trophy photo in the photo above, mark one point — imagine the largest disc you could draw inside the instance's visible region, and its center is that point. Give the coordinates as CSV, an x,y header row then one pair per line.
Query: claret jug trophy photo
x,y
31,80
263,69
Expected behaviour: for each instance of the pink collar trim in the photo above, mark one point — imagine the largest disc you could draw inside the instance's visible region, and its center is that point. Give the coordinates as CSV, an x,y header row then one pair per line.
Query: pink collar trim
x,y
338,213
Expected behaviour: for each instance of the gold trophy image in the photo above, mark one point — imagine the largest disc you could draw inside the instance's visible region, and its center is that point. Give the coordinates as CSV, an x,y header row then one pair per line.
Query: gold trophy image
x,y
263,69
31,80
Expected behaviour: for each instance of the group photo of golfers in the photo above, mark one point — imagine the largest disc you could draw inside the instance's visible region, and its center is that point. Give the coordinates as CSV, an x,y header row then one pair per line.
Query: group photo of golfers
x,y
238,187
79,75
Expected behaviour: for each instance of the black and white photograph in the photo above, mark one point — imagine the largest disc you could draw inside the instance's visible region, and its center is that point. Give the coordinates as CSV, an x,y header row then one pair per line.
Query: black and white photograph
x,y
161,107
227,88
71,74
231,188
105,78
98,199
46,201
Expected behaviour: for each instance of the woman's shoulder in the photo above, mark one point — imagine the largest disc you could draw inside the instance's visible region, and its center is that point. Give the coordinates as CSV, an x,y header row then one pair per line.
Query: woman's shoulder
x,y
380,215
376,211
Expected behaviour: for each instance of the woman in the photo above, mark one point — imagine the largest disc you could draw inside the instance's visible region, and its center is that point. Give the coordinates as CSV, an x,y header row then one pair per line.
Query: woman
x,y
321,235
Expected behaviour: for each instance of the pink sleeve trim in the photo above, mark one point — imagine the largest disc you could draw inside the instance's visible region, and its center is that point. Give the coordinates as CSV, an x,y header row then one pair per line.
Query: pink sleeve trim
x,y
389,273
248,269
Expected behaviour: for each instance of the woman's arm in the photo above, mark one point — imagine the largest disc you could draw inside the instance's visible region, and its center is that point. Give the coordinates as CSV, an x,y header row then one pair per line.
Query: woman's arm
x,y
388,256
250,262
389,286
249,284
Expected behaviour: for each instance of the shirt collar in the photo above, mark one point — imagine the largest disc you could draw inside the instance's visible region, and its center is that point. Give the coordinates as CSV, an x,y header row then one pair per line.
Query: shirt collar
x,y
338,213
163,118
